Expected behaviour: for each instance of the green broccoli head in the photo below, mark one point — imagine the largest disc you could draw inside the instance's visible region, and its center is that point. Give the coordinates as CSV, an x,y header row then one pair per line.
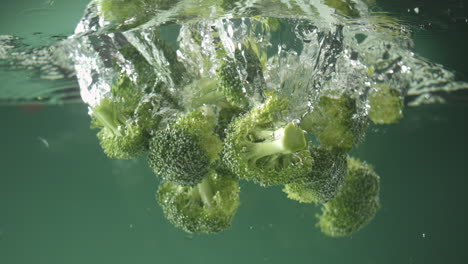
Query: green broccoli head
x,y
231,84
241,76
386,105
176,155
182,153
356,203
121,137
335,123
126,119
261,147
324,180
207,207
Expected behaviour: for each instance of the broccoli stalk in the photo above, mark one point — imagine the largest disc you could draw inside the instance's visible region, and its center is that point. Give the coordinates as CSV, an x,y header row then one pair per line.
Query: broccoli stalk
x,y
285,140
106,115
205,191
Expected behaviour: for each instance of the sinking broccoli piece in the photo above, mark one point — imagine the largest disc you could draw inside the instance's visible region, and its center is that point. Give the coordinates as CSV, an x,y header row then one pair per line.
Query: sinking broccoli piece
x,y
335,123
241,77
182,153
324,180
121,137
207,207
126,120
386,105
261,146
356,203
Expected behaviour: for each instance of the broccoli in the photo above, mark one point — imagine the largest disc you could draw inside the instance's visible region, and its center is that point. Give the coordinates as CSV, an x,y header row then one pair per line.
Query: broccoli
x,y
198,105
240,77
225,116
121,137
182,153
207,207
334,122
386,105
125,122
261,146
205,92
324,180
356,203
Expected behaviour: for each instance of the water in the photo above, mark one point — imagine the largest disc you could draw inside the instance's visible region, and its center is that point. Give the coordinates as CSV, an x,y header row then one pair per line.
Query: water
x,y
68,203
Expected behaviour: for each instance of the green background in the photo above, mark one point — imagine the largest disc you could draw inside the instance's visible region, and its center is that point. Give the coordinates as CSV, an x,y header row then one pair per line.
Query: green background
x,y
64,202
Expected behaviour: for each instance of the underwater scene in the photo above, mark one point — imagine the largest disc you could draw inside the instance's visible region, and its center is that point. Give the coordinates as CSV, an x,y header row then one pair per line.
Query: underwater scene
x,y
233,131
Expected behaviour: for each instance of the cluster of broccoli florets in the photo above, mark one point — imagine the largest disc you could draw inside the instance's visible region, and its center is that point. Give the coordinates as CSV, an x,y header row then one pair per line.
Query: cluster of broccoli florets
x,y
228,127
220,136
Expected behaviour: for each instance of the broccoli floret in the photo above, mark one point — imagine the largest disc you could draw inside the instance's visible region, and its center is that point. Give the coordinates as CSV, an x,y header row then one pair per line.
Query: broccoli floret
x,y
334,121
182,153
207,207
356,203
386,105
205,92
324,180
121,137
126,120
261,146
240,77
231,84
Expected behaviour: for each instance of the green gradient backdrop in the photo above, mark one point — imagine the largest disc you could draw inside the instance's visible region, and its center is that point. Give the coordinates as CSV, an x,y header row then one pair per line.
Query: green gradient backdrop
x,y
66,203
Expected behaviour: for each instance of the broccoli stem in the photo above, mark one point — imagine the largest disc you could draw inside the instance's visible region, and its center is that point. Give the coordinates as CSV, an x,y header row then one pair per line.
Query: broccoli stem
x,y
107,118
205,191
263,149
288,140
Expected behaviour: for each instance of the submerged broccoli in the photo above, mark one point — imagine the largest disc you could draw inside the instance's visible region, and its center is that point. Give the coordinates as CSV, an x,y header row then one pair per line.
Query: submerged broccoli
x,y
386,105
335,123
126,120
241,77
324,180
207,207
262,147
356,203
121,137
182,153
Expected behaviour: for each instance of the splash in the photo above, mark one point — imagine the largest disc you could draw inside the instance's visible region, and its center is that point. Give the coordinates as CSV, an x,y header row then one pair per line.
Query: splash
x,y
307,49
